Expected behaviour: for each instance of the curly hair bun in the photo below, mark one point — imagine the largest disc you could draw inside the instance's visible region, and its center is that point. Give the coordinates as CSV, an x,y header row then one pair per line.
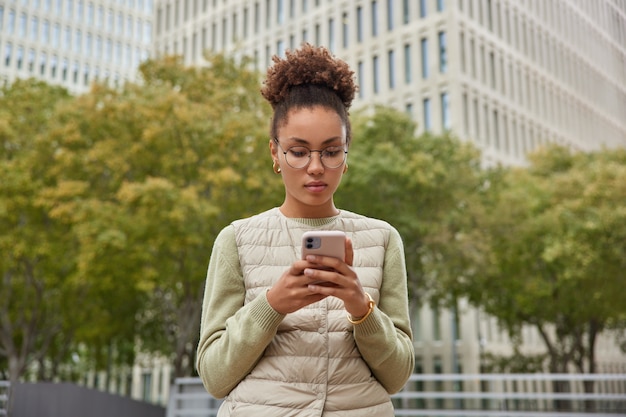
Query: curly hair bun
x,y
308,65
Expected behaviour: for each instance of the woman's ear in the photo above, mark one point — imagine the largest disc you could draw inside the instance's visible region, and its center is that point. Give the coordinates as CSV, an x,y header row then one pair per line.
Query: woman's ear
x,y
273,149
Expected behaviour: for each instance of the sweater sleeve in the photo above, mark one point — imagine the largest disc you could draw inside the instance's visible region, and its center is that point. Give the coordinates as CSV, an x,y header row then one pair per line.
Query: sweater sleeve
x,y
385,339
233,336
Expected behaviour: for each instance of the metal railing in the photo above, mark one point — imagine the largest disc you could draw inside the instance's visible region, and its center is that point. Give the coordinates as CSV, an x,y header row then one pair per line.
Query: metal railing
x,y
466,395
5,386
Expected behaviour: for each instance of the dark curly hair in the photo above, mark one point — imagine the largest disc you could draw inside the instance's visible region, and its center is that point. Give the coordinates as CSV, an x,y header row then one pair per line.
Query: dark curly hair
x,y
309,77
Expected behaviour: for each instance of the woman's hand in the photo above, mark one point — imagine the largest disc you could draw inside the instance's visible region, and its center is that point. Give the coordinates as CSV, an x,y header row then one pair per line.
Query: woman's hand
x,y
291,292
331,276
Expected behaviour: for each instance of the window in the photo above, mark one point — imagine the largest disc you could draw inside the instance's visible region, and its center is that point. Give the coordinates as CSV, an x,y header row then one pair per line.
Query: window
x,y
67,38
280,48
445,111
344,30
359,24
280,12
406,13
391,68
376,74
42,63
21,30
34,28
390,15
56,35
331,35
423,10
441,4
427,121
443,53
424,44
360,78
407,63
374,18
8,51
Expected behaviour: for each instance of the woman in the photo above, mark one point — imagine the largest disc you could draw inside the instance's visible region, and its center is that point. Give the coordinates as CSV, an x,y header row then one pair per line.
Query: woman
x,y
273,341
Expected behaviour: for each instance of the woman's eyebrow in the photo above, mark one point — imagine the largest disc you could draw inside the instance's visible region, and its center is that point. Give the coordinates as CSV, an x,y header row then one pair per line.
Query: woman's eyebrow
x,y
306,142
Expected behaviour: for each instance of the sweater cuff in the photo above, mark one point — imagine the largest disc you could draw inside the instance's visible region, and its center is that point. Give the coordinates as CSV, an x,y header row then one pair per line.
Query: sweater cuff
x,y
262,312
370,325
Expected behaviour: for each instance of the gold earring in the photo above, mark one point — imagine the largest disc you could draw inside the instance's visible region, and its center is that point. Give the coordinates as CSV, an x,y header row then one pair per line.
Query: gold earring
x,y
345,168
276,167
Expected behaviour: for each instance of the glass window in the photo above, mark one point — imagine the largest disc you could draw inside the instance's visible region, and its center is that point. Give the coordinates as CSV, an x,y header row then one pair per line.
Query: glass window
x,y
345,30
56,35
390,14
360,78
391,68
280,12
407,63
8,51
445,111
359,24
42,63
21,30
88,42
406,12
427,121
443,52
375,70
331,35
67,38
11,22
374,18
34,28
441,4
424,44
19,55
45,32
1,17
423,9
90,14
78,40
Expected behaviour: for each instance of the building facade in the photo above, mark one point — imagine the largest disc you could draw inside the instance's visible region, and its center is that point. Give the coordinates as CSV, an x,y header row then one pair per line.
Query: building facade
x,y
74,42
508,75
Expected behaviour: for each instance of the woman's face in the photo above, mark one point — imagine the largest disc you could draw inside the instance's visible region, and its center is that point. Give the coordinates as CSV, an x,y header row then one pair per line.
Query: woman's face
x,y
309,190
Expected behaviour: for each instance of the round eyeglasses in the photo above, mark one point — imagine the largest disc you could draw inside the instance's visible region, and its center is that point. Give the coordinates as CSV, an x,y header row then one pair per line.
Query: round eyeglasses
x,y
299,157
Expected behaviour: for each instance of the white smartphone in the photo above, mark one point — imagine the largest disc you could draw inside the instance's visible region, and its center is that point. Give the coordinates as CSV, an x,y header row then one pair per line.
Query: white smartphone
x,y
324,243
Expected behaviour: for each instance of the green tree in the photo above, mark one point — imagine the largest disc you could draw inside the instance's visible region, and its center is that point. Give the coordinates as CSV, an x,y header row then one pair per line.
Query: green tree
x,y
557,259
426,187
36,252
148,175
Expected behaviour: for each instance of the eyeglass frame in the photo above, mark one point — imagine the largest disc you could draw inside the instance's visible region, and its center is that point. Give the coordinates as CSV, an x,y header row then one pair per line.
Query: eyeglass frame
x,y
345,154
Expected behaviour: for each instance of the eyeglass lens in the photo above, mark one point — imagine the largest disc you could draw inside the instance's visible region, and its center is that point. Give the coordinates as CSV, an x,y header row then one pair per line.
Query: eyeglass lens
x,y
299,156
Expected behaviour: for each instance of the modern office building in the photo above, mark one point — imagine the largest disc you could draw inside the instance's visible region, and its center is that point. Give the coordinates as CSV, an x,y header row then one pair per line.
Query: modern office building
x,y
508,75
73,42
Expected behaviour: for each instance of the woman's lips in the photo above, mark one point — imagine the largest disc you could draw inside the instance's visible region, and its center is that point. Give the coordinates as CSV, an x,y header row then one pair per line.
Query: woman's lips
x,y
316,187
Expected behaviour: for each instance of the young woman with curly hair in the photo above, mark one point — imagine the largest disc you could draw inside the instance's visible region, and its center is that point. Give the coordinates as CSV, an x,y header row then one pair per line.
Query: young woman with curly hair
x,y
321,336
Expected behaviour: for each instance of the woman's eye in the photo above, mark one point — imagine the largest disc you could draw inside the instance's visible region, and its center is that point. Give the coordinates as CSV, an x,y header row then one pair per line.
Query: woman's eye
x,y
298,152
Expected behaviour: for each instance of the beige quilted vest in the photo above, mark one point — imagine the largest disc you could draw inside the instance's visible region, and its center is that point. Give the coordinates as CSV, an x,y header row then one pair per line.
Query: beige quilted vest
x,y
312,367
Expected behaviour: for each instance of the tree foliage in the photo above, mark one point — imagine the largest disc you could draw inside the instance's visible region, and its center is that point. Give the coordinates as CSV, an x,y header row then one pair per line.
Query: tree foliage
x,y
557,258
142,179
425,186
